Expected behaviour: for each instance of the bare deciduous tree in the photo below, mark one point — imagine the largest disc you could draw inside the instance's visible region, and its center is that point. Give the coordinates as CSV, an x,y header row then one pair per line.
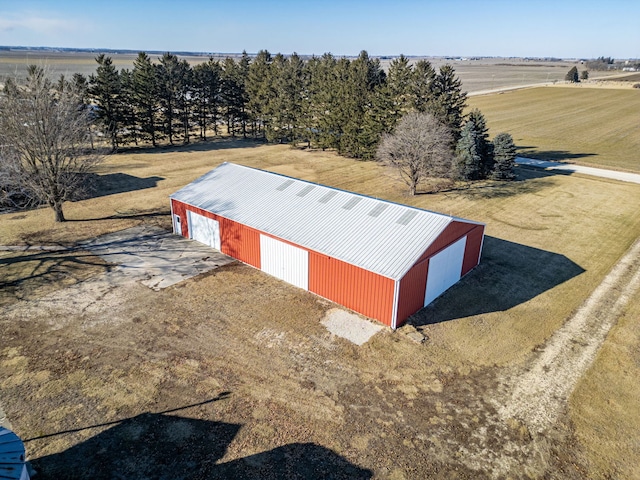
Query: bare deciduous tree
x,y
419,148
44,133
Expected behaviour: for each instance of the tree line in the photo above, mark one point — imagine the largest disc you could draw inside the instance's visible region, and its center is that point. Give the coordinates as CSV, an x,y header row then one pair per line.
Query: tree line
x,y
47,128
326,102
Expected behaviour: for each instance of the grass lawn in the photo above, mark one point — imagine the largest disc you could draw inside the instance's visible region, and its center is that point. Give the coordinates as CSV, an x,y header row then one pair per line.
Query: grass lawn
x,y
590,126
604,406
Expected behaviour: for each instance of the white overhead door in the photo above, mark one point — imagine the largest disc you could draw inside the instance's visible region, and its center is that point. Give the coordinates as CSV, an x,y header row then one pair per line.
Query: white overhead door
x,y
445,269
284,261
204,230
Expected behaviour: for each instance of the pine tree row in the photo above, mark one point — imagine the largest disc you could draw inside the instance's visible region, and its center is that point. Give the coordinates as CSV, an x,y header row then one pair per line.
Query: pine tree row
x,y
326,102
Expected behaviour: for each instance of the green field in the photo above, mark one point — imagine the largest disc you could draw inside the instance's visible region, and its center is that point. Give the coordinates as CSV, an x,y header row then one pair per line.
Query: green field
x,y
591,126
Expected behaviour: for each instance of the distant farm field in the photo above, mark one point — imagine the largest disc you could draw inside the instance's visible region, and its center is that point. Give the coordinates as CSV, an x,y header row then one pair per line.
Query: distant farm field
x,y
591,126
476,75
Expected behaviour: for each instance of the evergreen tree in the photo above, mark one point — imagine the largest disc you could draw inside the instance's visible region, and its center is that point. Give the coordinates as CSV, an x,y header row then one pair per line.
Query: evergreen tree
x,y
275,107
449,99
257,87
572,75
364,75
400,82
206,91
81,85
145,95
104,89
504,154
168,81
232,95
293,97
467,154
184,98
584,75
243,74
325,108
484,146
128,112
380,118
423,85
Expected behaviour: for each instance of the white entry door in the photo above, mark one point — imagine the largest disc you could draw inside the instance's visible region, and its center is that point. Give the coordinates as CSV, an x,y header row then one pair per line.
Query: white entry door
x,y
284,261
177,226
204,230
445,269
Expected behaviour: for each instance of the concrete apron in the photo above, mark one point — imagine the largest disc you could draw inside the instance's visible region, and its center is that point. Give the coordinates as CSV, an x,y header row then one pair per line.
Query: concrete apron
x,y
155,257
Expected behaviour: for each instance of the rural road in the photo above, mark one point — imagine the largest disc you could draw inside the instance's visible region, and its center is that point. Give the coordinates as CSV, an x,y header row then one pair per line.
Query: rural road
x,y
569,168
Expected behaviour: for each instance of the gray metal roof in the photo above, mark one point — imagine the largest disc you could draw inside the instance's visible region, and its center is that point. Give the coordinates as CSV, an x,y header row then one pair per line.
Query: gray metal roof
x,y
384,237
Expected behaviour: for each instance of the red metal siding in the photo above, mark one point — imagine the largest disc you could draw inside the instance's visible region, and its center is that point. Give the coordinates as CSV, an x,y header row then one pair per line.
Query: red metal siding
x,y
412,289
179,209
413,285
355,288
472,251
237,240
241,242
360,290
454,231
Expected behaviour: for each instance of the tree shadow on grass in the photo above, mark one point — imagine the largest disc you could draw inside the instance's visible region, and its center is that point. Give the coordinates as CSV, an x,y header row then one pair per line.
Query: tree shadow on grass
x,y
527,181
222,143
509,274
530,151
522,184
132,214
23,273
114,183
161,446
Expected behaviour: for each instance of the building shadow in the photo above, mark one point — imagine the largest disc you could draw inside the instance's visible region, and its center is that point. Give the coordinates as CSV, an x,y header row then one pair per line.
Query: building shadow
x,y
508,275
158,446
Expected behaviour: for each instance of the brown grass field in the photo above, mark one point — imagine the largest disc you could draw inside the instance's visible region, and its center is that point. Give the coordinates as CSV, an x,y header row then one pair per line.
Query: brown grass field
x,y
581,124
397,408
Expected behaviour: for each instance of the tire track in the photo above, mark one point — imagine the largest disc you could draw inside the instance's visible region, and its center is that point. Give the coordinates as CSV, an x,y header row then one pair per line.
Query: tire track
x,y
538,396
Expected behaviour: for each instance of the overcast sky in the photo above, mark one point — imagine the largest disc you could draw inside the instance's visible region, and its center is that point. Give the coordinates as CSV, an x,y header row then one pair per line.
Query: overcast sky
x,y
546,28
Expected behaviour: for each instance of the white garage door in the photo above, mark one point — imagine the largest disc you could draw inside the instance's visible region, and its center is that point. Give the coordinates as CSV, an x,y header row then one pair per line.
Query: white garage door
x,y
204,230
284,261
445,269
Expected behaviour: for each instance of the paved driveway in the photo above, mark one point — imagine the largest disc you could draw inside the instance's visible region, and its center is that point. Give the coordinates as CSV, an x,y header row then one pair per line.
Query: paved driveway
x,y
155,257
569,168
